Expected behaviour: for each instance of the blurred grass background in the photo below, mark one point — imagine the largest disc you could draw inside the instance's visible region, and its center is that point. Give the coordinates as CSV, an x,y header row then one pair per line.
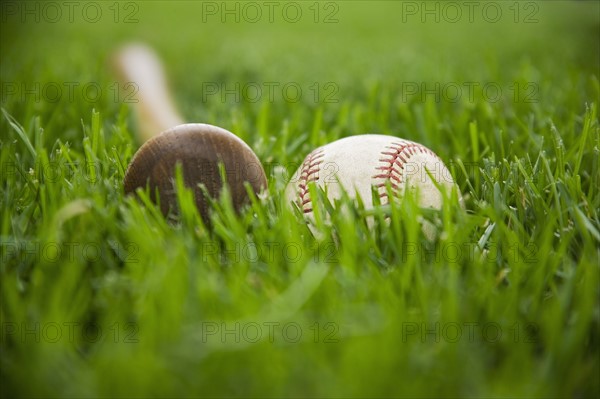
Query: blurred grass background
x,y
533,178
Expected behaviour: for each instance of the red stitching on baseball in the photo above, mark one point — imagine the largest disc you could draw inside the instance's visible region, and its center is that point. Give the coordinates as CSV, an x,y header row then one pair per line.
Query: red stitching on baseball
x,y
400,153
309,172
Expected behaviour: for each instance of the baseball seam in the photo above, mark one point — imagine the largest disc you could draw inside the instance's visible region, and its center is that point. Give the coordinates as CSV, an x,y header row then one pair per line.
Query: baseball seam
x,y
392,168
309,172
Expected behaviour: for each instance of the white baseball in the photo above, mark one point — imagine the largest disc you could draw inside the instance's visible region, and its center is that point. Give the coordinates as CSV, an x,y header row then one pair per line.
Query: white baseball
x,y
357,163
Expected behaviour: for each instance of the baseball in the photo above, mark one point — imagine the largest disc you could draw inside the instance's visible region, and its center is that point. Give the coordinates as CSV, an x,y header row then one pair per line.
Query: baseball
x,y
358,163
199,148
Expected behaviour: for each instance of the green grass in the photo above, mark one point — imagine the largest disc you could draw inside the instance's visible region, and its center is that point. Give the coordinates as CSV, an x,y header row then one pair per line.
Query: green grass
x,y
101,296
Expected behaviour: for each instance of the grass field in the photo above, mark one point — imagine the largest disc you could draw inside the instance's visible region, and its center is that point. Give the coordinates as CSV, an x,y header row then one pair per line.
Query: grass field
x,y
101,296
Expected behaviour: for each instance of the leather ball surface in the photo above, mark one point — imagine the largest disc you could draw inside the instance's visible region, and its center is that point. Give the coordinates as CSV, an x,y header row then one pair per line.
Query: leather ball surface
x,y
357,163
199,148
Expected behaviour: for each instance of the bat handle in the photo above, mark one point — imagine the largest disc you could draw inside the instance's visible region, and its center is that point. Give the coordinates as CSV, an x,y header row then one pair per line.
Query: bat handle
x,y
139,65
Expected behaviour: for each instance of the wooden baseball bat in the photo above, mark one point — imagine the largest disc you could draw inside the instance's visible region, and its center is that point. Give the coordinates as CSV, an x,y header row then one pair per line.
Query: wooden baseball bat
x,y
139,65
